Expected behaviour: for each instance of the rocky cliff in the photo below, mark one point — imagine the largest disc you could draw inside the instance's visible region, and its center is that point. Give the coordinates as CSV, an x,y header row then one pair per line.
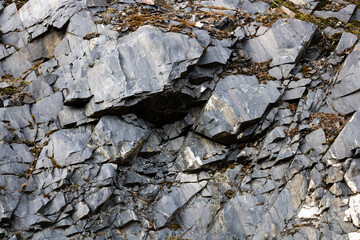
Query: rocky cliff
x,y
208,119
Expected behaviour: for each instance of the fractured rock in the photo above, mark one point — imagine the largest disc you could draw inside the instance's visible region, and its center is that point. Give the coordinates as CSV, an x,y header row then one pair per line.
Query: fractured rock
x,y
345,93
118,140
197,152
236,101
284,42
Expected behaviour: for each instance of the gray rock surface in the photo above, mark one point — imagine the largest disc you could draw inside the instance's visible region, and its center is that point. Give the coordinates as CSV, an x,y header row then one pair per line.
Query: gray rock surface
x,y
213,119
346,89
284,43
236,100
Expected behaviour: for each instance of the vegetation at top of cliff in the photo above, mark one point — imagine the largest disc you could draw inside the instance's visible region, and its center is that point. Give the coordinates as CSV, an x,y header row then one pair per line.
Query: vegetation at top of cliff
x,y
19,3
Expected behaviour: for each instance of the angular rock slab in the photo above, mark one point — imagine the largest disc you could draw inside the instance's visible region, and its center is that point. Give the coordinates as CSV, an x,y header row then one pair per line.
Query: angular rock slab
x,y
347,141
236,100
197,152
284,43
118,140
238,218
66,147
38,15
170,203
144,63
352,176
345,94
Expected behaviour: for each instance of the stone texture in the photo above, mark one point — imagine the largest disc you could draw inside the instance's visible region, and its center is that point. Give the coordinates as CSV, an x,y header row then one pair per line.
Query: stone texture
x,y
284,43
345,92
236,100
110,144
198,152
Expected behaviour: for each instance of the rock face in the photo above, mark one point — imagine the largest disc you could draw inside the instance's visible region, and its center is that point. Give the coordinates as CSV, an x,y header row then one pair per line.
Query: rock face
x,y
215,119
284,42
236,100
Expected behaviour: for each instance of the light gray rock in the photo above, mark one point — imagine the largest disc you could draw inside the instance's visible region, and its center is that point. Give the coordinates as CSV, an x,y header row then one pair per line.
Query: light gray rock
x,y
215,55
352,176
236,100
14,159
293,94
254,7
230,4
284,43
96,198
80,210
23,60
315,141
238,218
51,13
124,218
345,93
81,23
96,3
38,90
47,109
67,147
198,152
343,14
347,40
347,140
10,20
118,140
121,77
172,202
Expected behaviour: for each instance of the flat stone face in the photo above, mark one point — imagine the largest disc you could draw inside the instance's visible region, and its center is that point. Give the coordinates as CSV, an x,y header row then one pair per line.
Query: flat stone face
x,y
343,14
346,91
236,100
284,43
347,141
169,204
117,140
198,152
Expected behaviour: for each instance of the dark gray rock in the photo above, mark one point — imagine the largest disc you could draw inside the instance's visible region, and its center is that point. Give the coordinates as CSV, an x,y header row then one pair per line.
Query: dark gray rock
x,y
284,43
223,115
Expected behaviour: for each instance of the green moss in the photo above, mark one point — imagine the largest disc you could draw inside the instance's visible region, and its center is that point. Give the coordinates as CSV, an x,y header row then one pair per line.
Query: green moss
x,y
353,27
